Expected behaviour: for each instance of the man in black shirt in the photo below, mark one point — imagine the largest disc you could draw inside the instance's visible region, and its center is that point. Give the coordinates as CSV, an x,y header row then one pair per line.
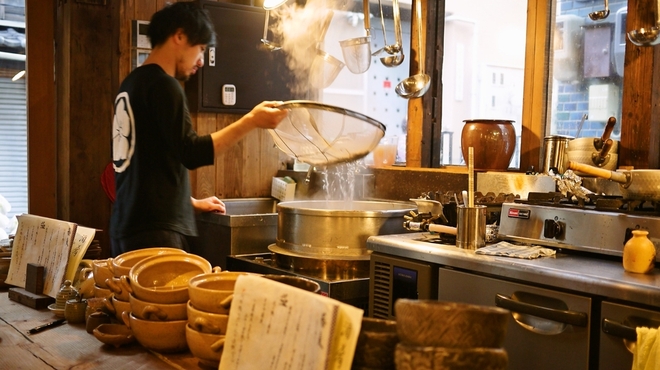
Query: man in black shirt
x,y
154,144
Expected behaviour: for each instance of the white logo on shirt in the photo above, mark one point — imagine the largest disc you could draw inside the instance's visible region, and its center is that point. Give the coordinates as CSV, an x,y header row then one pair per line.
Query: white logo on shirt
x,y
123,133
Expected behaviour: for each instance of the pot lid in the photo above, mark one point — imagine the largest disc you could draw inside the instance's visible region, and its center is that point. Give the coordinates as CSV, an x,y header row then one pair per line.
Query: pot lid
x,y
321,134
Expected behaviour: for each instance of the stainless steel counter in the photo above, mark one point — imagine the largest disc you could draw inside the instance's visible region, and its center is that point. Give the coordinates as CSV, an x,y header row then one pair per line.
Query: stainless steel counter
x,y
577,272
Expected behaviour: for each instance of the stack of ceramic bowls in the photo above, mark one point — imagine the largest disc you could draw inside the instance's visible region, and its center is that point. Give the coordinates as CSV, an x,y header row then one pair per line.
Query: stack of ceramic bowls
x,y
118,284
208,314
449,335
158,298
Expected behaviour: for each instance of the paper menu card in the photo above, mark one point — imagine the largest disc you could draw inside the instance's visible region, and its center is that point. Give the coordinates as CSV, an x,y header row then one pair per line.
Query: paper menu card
x,y
81,241
279,327
46,242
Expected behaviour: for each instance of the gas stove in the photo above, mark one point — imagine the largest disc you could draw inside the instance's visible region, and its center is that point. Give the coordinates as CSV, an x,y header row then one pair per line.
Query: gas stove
x,y
601,225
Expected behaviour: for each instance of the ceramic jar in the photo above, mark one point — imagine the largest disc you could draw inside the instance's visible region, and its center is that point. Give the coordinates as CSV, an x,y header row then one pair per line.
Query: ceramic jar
x,y
639,253
494,142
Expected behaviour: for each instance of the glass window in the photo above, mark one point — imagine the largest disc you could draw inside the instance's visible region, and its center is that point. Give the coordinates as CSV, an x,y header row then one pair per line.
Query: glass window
x,y
587,68
483,68
13,113
372,92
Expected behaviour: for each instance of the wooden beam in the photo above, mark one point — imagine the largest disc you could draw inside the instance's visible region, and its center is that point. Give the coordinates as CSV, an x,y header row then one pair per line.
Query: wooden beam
x,y
41,111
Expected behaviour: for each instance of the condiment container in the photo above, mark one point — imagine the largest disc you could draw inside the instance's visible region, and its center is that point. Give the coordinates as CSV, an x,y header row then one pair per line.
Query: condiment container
x,y
639,253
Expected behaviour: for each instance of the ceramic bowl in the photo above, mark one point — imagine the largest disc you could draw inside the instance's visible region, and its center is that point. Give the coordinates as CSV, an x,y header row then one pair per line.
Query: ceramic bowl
x,y
160,336
114,334
164,278
101,271
449,324
207,322
213,292
375,345
116,307
122,264
100,292
440,358
157,311
205,346
120,287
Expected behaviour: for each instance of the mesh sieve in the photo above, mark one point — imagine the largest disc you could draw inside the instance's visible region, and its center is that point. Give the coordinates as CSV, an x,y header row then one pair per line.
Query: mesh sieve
x,y
321,134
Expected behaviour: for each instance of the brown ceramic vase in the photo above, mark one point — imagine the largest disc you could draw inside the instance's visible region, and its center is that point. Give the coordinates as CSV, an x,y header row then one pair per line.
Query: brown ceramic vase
x,y
494,142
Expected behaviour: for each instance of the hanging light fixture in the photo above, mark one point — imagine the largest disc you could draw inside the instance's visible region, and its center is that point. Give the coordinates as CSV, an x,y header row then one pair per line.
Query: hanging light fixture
x,y
273,4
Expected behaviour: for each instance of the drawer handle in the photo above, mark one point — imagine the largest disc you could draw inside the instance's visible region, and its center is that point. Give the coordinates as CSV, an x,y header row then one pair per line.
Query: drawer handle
x,y
619,330
562,316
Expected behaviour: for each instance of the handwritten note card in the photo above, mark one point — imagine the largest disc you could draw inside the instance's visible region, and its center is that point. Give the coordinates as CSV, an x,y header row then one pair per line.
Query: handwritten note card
x,y
43,241
81,241
279,327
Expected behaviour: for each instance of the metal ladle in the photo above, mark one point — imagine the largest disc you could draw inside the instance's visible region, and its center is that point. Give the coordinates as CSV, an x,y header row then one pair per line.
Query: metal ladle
x,y
397,49
417,85
647,37
600,14
266,44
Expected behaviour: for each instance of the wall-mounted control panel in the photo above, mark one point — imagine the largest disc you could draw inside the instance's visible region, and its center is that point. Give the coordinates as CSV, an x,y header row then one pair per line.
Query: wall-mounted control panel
x,y
238,73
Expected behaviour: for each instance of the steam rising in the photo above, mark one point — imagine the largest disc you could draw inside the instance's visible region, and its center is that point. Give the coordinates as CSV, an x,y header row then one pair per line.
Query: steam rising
x,y
300,31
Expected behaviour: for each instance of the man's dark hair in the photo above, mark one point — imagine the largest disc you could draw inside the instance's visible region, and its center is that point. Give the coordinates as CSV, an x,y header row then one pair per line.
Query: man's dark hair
x,y
188,16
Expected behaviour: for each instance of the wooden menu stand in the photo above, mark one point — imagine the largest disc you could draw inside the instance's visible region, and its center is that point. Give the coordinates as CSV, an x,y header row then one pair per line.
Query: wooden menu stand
x,y
32,295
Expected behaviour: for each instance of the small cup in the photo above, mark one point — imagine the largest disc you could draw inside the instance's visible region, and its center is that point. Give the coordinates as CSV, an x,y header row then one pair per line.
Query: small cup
x,y
94,305
95,319
385,152
491,233
471,227
74,311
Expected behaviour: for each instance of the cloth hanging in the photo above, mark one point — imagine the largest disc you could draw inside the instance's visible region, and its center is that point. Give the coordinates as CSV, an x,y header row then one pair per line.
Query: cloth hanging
x,y
646,354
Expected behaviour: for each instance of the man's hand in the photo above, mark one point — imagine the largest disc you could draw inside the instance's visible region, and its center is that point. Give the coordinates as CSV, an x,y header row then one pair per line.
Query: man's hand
x,y
210,204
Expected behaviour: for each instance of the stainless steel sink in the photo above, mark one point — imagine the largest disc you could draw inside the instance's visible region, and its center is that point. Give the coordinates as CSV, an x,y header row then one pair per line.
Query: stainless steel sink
x,y
249,226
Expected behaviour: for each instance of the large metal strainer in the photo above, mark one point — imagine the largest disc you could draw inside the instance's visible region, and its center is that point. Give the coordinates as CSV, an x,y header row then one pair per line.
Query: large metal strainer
x,y
321,134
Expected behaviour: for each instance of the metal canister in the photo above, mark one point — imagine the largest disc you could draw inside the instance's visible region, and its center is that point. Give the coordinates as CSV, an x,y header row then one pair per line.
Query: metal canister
x,y
555,157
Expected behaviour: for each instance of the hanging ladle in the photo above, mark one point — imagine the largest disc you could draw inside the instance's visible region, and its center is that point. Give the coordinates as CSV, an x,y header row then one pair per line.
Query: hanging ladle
x,y
417,85
647,37
600,14
397,49
267,44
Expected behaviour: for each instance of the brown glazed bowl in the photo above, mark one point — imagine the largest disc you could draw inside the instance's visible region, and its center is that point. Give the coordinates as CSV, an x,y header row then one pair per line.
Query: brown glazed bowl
x,y
440,358
493,140
449,324
375,345
164,278
122,264
114,334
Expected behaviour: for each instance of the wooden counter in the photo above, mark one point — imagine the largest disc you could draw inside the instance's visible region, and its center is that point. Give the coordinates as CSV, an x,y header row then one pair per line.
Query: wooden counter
x,y
70,346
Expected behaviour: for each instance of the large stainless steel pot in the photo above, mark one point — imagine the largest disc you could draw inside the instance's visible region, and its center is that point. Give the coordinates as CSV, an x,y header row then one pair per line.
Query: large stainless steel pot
x,y
336,230
634,184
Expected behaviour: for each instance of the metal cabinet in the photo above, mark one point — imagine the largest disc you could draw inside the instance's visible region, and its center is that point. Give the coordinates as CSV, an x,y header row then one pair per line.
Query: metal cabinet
x,y
618,333
547,329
